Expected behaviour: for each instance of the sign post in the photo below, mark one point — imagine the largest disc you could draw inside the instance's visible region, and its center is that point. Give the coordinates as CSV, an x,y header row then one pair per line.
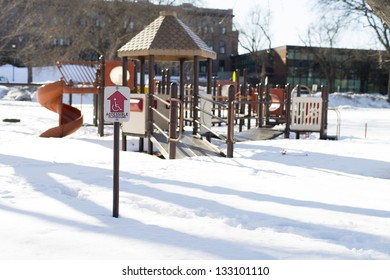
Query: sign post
x,y
117,110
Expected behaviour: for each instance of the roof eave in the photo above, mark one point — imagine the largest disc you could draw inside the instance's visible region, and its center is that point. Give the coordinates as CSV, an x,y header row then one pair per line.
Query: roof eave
x,y
168,55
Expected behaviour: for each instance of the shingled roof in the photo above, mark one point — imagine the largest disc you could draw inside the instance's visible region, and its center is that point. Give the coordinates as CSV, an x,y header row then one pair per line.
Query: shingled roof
x,y
168,39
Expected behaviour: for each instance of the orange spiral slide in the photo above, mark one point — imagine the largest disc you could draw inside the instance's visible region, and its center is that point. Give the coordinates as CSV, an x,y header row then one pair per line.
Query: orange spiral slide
x,y
70,118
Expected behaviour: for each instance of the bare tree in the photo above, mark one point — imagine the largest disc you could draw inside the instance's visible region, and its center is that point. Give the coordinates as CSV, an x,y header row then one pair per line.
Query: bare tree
x,y
322,38
360,11
72,29
255,37
15,20
40,32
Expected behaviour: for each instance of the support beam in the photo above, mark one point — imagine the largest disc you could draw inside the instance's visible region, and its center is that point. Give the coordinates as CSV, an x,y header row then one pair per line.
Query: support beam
x,y
195,99
150,104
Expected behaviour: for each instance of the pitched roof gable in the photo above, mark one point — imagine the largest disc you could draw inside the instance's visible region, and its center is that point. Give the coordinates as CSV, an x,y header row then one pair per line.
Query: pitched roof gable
x,y
169,39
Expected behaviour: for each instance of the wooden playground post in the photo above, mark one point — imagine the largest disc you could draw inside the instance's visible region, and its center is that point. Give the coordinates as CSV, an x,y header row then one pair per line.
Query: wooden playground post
x,y
230,123
195,97
246,93
324,123
101,97
297,133
213,92
259,104
237,90
243,99
163,81
168,81
242,108
209,75
249,100
267,103
142,75
181,86
219,107
288,111
173,122
149,128
96,99
124,83
187,104
141,90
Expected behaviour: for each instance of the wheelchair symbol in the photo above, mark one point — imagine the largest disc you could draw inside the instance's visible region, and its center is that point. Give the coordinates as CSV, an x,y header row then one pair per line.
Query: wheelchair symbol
x,y
115,107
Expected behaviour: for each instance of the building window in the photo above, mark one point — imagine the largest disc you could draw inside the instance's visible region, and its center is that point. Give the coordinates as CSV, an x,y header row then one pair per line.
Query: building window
x,y
221,66
223,30
60,42
222,47
129,24
83,22
203,67
97,22
210,44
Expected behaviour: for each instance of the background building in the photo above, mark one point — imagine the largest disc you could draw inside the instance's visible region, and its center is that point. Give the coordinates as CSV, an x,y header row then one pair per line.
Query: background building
x,y
215,27
360,71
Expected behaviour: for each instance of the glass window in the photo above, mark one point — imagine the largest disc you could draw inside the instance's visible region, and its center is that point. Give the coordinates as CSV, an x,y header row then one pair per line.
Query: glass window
x,y
222,47
210,44
221,66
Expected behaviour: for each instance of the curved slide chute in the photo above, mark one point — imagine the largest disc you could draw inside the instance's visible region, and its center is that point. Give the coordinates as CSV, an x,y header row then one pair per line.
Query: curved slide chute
x,y
70,118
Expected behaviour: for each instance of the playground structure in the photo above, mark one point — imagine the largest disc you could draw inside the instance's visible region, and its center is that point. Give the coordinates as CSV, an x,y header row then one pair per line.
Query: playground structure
x,y
180,120
244,114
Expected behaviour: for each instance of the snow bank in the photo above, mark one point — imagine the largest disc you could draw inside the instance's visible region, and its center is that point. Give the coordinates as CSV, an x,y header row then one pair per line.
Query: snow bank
x,y
366,100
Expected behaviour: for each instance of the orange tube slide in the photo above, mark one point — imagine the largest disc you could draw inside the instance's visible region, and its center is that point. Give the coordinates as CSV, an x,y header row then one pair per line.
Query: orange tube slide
x,y
70,118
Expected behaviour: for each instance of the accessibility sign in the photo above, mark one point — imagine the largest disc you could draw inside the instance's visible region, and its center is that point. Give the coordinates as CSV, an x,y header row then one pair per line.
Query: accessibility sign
x,y
116,104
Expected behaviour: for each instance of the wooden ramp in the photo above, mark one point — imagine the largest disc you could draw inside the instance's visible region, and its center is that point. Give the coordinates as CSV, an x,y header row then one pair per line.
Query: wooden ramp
x,y
188,146
259,133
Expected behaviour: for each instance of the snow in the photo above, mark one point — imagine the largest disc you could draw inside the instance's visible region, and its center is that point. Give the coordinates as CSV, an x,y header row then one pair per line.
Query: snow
x,y
279,199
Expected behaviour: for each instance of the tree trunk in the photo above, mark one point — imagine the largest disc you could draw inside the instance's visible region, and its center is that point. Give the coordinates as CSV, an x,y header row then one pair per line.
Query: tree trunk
x,y
381,8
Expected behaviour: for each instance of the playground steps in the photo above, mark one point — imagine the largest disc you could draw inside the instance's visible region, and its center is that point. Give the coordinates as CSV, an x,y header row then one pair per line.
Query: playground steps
x,y
188,146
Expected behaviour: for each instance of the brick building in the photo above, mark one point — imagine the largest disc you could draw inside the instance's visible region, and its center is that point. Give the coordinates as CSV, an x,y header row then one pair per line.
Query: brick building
x,y
355,70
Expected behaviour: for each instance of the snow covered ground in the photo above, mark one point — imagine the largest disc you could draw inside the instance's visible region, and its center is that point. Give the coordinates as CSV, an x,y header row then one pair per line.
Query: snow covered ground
x,y
279,199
